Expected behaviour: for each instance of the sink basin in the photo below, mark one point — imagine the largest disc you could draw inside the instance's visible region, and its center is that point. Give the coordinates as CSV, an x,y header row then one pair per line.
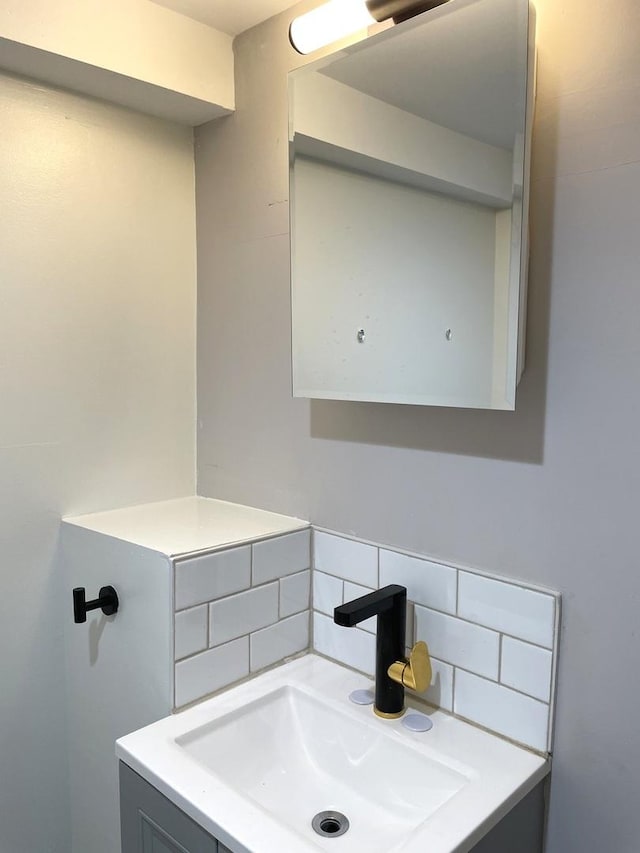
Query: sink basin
x,y
294,755
255,764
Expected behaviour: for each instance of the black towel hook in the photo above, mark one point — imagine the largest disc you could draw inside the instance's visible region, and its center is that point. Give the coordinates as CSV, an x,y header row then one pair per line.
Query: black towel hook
x,y
107,602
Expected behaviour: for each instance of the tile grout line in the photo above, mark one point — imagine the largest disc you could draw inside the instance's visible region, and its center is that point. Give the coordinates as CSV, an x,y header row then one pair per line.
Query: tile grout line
x,y
509,636
532,643
209,624
279,599
499,684
453,690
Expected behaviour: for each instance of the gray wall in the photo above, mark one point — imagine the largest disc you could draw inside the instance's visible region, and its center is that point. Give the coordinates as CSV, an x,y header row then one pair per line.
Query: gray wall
x,y
548,494
97,382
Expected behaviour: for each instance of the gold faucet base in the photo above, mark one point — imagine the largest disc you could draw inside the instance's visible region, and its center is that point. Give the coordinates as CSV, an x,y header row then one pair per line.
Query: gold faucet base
x,y
386,716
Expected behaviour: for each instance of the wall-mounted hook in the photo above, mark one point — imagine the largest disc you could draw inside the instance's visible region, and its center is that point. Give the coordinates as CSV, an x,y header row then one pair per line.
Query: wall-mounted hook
x,y
107,602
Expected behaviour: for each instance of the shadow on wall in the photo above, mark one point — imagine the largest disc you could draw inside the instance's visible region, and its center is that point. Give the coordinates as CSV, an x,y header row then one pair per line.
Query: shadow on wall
x,y
518,435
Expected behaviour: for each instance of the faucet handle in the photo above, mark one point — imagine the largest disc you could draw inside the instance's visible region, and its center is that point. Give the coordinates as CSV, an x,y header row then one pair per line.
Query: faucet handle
x,y
414,673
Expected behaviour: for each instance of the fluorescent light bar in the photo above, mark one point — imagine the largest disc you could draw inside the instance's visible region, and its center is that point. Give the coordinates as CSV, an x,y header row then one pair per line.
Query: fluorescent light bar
x,y
328,23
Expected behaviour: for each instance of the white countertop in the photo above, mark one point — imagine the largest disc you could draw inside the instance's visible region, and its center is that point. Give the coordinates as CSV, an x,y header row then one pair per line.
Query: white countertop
x,y
188,525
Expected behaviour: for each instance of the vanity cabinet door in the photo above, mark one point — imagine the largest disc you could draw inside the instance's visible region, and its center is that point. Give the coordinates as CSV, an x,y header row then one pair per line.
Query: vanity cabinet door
x,y
150,823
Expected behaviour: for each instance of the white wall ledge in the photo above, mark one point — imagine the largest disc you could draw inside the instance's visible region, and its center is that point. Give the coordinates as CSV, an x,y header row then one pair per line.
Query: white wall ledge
x,y
138,55
188,525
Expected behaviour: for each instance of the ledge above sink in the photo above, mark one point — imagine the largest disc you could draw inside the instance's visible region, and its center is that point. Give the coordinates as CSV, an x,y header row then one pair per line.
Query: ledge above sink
x,y
256,763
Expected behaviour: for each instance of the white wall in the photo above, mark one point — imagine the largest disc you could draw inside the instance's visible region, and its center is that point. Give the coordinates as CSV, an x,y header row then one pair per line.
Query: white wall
x,y
97,305
547,494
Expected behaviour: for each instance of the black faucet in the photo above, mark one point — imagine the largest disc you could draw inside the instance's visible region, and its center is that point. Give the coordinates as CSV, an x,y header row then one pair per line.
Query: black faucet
x,y
393,671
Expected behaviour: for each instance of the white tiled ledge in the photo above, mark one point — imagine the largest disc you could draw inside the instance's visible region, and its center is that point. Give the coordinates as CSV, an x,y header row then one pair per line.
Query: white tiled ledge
x,y
493,641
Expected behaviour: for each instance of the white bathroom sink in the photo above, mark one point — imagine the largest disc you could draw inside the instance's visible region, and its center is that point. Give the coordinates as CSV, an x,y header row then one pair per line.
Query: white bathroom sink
x,y
255,764
294,755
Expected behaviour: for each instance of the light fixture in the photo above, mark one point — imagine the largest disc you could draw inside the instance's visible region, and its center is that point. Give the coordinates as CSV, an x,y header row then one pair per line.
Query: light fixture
x,y
339,18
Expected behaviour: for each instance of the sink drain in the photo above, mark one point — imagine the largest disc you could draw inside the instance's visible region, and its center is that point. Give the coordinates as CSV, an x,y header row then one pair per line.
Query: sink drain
x,y
330,824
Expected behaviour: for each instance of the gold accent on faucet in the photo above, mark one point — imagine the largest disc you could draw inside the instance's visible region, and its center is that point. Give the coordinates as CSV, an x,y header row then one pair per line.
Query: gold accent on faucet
x,y
414,673
385,716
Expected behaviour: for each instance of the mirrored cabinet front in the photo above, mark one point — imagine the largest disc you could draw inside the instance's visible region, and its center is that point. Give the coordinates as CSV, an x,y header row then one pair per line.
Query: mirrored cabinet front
x,y
409,170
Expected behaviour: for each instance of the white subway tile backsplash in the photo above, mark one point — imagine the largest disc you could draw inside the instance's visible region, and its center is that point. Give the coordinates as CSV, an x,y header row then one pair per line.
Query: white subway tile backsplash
x,y
515,610
492,642
284,555
191,631
211,576
351,646
440,693
526,668
243,625
243,613
427,583
353,561
351,591
496,639
285,638
294,593
457,642
203,674
502,710
327,592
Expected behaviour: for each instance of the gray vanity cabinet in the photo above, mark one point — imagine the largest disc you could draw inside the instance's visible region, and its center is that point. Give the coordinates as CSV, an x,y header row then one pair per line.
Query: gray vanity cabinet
x,y
150,823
